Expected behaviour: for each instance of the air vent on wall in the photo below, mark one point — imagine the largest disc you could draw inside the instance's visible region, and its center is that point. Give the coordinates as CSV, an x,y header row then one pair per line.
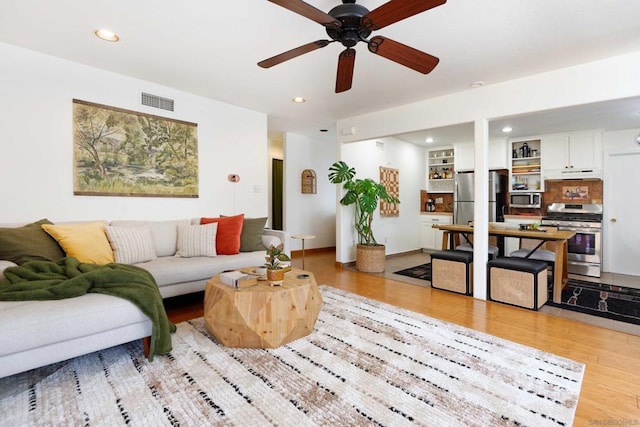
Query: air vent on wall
x,y
156,101
380,145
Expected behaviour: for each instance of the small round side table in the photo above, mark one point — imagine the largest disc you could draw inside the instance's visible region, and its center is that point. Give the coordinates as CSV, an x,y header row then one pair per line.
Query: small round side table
x,y
303,237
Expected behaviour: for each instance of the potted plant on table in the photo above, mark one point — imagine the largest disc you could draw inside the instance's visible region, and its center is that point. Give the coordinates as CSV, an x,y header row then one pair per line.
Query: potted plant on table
x,y
364,194
275,270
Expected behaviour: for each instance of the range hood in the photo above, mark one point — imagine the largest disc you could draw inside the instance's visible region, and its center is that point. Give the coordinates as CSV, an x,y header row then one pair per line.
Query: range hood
x,y
573,173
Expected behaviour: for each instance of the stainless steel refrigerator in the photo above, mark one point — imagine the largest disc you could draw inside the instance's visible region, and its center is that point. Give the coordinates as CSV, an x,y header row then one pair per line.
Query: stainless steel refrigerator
x,y
463,197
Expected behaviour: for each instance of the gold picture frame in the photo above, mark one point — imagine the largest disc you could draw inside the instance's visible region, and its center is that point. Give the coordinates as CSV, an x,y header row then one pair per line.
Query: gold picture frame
x,y
118,152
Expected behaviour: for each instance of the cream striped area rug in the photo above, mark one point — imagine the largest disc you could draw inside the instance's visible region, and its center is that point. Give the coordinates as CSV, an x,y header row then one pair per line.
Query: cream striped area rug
x,y
366,363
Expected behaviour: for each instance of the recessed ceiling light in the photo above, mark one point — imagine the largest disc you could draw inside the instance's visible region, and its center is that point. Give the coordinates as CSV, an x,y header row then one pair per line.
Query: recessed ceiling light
x,y
479,83
107,35
298,100
429,140
507,129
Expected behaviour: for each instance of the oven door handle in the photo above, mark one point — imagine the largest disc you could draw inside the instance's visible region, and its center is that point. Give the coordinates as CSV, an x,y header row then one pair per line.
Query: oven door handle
x,y
580,229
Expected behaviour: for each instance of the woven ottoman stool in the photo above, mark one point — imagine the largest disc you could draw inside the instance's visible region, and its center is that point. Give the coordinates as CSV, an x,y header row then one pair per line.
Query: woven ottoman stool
x,y
517,281
452,271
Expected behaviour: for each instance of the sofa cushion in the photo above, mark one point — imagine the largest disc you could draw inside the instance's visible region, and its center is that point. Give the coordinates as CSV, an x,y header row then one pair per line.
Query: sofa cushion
x,y
31,242
30,324
164,233
85,241
176,270
197,240
229,230
131,245
5,264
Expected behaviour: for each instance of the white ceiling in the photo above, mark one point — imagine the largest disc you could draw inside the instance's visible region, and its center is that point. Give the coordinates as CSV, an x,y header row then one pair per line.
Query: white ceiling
x,y
609,115
211,48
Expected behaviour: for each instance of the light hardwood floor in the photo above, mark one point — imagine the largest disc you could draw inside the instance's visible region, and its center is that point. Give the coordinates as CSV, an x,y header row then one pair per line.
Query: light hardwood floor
x,y
610,392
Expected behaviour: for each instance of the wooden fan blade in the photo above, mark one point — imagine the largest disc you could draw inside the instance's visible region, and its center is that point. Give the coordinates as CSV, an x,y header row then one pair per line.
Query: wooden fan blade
x,y
293,53
397,10
346,63
308,11
403,54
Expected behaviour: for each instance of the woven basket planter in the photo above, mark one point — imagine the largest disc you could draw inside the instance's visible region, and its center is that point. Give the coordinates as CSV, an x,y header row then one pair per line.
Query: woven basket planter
x,y
371,259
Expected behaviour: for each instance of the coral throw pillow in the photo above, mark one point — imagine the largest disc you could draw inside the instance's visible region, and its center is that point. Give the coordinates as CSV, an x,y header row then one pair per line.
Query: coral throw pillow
x,y
228,235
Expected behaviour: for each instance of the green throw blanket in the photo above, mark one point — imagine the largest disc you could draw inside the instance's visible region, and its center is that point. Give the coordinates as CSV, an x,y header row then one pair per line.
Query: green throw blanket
x,y
68,278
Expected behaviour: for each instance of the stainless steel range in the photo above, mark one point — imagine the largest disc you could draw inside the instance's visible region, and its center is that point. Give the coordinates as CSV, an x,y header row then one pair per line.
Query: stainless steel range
x,y
585,255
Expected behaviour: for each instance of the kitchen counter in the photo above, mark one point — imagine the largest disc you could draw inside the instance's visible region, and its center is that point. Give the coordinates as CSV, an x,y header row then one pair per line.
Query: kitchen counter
x,y
436,213
524,216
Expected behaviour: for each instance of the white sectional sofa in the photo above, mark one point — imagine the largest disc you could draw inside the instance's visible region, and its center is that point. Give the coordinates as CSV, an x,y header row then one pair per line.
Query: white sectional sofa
x,y
37,333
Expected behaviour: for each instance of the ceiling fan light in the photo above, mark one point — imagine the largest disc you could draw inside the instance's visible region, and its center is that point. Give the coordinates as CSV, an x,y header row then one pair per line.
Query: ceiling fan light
x,y
107,35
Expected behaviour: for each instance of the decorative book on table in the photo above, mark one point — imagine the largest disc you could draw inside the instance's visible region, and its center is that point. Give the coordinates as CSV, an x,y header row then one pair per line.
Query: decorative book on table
x,y
238,279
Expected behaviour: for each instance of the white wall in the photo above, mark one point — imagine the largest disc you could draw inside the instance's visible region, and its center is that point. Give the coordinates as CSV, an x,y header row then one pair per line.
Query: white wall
x,y
399,234
621,141
309,213
36,144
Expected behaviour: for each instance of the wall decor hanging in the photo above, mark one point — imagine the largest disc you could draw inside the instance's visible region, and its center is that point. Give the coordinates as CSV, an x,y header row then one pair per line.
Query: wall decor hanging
x,y
118,152
390,178
308,178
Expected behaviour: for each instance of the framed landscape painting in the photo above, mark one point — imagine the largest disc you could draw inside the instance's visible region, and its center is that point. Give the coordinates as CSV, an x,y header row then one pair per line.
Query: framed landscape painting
x,y
119,152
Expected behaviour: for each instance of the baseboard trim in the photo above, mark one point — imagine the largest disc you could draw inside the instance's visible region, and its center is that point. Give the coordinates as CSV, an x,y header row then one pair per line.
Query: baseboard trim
x,y
313,250
399,254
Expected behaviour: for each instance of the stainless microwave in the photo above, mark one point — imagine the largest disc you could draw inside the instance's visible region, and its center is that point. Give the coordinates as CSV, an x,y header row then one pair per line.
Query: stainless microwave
x,y
525,200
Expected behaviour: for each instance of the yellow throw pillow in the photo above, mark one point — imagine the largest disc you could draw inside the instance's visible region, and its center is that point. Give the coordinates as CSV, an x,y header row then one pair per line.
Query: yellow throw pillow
x,y
85,241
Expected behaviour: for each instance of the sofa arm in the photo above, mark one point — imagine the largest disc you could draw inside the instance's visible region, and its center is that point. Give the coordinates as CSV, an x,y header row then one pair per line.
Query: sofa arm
x,y
4,264
284,237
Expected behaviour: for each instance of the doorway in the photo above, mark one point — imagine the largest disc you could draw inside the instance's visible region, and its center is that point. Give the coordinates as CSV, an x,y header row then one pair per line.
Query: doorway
x,y
277,193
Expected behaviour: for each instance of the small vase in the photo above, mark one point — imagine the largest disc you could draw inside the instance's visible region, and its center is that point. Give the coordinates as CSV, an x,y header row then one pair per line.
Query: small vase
x,y
275,277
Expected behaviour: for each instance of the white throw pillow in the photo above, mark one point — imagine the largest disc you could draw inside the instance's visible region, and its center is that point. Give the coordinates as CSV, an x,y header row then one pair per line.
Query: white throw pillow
x,y
131,245
197,240
164,233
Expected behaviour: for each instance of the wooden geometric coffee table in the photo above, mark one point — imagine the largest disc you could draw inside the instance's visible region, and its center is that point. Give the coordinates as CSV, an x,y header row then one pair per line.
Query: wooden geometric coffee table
x,y
262,316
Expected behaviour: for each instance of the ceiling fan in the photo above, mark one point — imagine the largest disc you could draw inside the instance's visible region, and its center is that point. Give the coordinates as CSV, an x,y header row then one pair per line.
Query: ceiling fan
x,y
350,23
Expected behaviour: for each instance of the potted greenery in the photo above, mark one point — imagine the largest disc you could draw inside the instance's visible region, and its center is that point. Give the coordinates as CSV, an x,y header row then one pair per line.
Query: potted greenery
x,y
364,194
275,271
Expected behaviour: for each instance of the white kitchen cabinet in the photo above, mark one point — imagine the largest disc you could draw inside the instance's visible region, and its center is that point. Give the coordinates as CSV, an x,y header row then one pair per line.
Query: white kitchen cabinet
x,y
513,243
578,150
431,238
465,155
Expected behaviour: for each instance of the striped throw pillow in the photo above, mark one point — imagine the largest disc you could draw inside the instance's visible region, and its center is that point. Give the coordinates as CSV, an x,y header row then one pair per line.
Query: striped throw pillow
x,y
197,240
131,245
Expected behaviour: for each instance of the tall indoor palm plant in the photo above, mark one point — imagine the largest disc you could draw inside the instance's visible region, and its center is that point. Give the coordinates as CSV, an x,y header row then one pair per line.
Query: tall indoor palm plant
x,y
364,194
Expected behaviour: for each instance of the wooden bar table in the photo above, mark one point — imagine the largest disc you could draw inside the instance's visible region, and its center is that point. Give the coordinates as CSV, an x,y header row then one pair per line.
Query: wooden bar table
x,y
557,241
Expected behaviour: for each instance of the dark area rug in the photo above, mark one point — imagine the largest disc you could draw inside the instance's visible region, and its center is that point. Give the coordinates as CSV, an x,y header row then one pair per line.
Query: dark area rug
x,y
422,271
609,301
